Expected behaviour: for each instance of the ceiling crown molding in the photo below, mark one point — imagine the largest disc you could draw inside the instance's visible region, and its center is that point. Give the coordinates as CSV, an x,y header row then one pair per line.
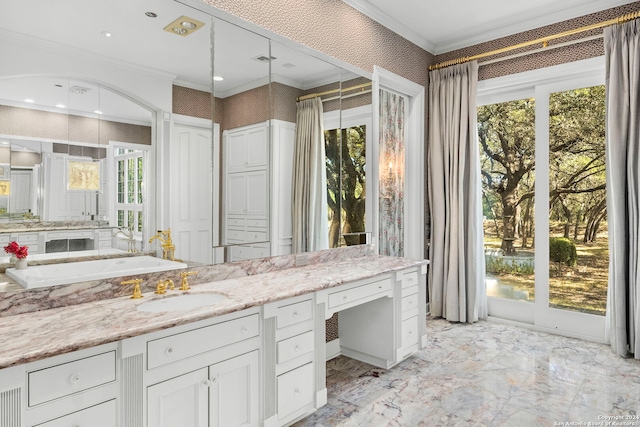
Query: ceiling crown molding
x,y
366,8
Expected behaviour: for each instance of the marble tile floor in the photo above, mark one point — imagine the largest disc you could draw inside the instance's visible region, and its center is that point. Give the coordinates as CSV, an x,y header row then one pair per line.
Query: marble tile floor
x,y
486,374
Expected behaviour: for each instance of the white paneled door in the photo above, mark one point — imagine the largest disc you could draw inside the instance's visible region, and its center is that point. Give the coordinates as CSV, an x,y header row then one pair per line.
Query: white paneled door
x,y
191,193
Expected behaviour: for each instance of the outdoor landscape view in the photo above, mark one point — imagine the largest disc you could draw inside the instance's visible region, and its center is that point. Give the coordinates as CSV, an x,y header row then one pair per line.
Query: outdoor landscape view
x,y
578,243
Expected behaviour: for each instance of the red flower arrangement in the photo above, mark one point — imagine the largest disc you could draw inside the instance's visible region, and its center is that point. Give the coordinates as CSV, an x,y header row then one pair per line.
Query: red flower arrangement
x,y
19,251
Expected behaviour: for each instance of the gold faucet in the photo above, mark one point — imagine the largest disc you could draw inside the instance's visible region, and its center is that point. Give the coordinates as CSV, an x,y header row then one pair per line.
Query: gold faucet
x,y
137,294
168,248
184,284
161,287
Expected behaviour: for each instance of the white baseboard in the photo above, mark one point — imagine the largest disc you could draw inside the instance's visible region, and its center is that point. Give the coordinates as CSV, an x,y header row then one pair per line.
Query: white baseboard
x,y
333,349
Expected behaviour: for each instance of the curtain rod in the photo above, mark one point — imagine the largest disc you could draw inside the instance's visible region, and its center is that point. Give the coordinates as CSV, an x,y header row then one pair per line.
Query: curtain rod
x,y
542,40
327,92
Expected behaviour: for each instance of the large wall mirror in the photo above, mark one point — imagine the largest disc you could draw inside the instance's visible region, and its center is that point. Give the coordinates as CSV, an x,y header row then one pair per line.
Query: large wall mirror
x,y
109,131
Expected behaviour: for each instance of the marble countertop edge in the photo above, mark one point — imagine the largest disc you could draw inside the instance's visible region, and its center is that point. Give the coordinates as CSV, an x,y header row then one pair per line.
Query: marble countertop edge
x,y
34,336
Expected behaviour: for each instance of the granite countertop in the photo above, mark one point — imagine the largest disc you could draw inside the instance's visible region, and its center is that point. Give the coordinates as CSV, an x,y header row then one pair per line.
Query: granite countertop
x,y
33,336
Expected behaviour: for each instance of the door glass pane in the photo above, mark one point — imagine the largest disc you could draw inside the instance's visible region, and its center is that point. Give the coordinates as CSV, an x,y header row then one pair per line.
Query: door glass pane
x,y
345,151
578,244
506,132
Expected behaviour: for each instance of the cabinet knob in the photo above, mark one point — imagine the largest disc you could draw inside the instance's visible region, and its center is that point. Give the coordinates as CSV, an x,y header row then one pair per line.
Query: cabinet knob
x,y
344,298
297,349
74,378
206,383
379,286
169,351
296,314
296,392
245,330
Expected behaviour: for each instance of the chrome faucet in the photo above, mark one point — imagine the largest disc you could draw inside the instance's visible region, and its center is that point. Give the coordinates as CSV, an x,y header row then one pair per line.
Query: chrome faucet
x,y
127,232
168,249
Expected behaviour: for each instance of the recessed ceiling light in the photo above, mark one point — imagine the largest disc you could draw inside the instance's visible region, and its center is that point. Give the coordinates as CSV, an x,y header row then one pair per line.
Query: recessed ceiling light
x,y
29,100
218,78
98,112
188,25
151,14
5,143
179,30
106,34
60,105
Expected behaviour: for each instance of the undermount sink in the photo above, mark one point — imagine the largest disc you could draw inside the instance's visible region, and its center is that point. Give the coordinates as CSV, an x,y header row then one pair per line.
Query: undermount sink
x,y
180,302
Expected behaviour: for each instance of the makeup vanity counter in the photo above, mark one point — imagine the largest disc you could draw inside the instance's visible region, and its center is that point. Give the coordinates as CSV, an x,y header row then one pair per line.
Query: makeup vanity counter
x,y
272,323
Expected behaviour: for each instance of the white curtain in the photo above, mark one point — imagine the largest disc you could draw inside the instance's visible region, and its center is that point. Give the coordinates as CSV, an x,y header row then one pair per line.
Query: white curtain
x,y
309,203
622,56
457,272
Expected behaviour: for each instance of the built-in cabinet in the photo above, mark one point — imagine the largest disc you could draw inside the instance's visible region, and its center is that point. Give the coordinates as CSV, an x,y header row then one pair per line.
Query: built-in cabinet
x,y
261,366
257,207
246,177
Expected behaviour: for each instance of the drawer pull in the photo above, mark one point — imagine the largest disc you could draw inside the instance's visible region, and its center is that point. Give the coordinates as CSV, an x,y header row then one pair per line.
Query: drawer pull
x,y
296,314
297,349
379,286
344,298
296,392
206,384
169,351
410,332
245,330
74,378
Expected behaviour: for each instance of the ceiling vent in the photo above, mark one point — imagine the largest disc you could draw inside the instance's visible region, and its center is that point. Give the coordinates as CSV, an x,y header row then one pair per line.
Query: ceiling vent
x,y
184,26
79,90
264,58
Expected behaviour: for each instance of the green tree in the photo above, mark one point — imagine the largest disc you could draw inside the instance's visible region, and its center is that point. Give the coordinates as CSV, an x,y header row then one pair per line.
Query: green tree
x,y
506,133
346,181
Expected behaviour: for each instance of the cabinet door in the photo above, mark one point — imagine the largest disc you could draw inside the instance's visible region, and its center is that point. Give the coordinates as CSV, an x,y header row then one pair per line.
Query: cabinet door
x,y
234,391
236,150
257,190
256,147
236,194
180,401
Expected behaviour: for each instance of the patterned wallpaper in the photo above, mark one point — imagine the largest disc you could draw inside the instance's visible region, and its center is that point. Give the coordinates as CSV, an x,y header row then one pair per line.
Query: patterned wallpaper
x,y
191,102
44,124
543,58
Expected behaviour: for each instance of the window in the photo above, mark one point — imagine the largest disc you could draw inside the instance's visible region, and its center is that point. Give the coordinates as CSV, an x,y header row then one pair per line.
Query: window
x,y
345,151
129,197
541,139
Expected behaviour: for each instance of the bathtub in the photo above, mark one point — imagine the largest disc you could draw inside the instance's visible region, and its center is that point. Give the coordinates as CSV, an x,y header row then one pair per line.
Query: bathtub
x,y
39,276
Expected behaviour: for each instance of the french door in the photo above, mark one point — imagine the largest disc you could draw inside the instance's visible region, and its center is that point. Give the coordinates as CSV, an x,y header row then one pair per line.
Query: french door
x,y
544,200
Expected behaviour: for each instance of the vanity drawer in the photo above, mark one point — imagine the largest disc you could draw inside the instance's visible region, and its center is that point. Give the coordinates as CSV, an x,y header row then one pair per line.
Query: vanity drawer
x,y
256,236
27,238
409,279
166,350
410,332
409,306
102,415
295,390
294,313
348,296
235,222
294,347
52,383
235,235
261,223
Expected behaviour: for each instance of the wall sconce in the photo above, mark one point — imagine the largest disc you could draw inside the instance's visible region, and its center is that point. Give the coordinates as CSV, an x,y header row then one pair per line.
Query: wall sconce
x,y
391,176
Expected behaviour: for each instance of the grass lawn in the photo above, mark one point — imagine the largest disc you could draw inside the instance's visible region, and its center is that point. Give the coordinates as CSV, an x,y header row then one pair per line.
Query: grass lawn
x,y
582,287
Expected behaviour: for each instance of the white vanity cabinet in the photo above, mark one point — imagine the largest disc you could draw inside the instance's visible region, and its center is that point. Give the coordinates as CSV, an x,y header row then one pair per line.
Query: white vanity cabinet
x,y
75,389
202,374
290,361
382,319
